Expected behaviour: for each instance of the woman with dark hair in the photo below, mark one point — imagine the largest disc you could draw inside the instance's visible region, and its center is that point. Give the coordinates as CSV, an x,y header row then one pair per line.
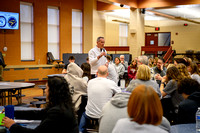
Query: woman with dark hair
x,y
145,112
58,116
86,71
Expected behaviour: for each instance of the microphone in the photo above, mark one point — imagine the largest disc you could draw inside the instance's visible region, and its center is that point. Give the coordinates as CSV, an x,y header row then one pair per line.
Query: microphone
x,y
103,49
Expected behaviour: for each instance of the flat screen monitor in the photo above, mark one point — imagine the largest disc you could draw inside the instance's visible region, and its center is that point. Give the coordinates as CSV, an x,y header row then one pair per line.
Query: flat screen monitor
x,y
9,20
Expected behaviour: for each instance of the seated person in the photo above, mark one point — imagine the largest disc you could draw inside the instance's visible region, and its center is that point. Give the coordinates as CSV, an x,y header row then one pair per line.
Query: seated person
x,y
86,71
71,59
132,70
145,112
143,76
77,85
194,71
116,109
100,91
159,70
58,113
190,90
123,62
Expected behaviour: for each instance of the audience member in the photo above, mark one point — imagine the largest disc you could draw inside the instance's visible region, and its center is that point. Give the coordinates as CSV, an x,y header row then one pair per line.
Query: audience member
x,y
159,70
171,98
132,70
143,76
77,84
86,71
144,60
125,63
100,91
87,60
180,60
116,109
190,90
112,71
150,62
58,113
97,56
71,60
2,65
120,68
183,70
145,112
155,60
194,71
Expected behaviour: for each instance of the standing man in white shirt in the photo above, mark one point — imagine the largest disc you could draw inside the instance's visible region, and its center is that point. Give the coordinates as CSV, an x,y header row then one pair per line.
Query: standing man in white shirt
x,y
100,91
97,56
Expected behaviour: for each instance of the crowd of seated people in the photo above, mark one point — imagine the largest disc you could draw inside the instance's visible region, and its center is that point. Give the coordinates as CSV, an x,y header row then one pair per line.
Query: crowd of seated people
x,y
168,92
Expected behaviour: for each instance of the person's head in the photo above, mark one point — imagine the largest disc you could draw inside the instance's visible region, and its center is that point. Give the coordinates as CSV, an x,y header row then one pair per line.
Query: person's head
x,y
144,106
180,60
87,59
86,70
71,59
100,42
170,65
173,73
142,60
102,71
122,58
187,86
75,70
183,70
57,92
193,68
117,60
143,73
133,64
188,61
109,58
159,63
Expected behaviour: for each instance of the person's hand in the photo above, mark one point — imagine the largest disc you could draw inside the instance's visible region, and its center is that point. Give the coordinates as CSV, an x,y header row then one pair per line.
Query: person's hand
x,y
157,76
8,122
161,67
102,54
122,62
164,79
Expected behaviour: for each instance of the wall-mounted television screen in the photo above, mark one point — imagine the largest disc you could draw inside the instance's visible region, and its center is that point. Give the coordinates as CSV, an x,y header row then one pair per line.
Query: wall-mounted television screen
x,y
9,20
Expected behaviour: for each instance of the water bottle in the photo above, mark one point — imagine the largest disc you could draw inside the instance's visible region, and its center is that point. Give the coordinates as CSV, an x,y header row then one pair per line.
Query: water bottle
x,y
198,120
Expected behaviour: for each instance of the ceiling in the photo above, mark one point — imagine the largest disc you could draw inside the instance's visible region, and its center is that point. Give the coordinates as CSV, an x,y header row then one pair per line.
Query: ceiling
x,y
189,13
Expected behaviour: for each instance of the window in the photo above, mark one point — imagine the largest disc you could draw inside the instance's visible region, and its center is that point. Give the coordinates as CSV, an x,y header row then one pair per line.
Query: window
x,y
53,31
123,34
26,25
76,31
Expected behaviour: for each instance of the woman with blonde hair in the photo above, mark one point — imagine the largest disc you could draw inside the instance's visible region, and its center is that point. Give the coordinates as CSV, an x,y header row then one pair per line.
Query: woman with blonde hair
x,y
144,110
143,76
183,70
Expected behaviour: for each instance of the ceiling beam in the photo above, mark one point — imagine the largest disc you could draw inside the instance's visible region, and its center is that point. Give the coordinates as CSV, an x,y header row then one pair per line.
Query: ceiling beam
x,y
155,3
173,17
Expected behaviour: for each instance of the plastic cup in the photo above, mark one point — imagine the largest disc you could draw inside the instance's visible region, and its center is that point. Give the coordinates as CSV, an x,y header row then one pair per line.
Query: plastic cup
x,y
1,117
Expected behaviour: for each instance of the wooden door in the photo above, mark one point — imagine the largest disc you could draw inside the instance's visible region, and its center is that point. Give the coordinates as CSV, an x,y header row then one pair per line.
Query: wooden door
x,y
151,39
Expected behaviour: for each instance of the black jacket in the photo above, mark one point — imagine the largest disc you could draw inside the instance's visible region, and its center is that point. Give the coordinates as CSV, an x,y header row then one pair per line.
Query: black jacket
x,y
188,108
54,120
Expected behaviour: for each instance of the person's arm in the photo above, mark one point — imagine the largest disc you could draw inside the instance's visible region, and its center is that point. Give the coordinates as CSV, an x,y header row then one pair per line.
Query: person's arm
x,y
92,57
122,70
162,85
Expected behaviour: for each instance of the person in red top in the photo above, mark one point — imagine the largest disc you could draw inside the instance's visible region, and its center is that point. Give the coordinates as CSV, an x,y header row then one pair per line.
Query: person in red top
x,y
132,70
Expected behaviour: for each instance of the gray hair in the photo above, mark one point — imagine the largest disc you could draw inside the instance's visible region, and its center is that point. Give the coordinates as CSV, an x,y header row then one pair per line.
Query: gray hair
x,y
100,37
143,59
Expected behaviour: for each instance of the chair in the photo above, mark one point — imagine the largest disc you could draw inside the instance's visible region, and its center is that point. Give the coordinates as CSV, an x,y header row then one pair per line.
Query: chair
x,y
51,59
